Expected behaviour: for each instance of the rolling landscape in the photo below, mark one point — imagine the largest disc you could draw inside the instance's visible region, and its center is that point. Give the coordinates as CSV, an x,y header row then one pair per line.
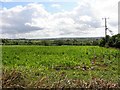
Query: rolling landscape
x,y
59,45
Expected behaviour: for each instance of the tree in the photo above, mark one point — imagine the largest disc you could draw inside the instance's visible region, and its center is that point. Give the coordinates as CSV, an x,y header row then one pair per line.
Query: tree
x,y
113,41
102,42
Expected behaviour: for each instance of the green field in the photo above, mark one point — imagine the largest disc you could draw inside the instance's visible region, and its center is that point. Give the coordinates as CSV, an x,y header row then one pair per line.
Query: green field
x,y
45,66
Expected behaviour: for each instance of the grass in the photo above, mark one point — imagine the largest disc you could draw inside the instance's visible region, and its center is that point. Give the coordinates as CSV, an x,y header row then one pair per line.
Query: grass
x,y
59,66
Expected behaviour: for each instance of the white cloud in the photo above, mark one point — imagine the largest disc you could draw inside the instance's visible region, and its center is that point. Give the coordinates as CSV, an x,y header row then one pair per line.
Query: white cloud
x,y
33,21
85,18
20,19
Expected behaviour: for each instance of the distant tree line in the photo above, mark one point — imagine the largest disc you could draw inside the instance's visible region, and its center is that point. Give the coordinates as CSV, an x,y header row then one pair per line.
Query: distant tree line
x,y
55,42
108,41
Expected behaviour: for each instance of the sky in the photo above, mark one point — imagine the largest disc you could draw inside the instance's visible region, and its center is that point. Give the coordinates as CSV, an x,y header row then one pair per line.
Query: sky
x,y
35,19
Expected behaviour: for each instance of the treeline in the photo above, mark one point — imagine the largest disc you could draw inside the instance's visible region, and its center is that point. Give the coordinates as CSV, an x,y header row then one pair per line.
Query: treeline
x,y
54,42
108,41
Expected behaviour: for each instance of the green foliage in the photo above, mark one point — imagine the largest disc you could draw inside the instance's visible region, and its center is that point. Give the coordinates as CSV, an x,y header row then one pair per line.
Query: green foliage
x,y
113,41
49,61
52,42
102,42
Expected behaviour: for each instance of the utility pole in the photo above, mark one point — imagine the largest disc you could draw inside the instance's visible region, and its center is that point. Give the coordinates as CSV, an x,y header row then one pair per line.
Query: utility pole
x,y
105,26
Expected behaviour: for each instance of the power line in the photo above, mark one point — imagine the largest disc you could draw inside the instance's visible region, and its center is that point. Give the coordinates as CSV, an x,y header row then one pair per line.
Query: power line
x,y
111,32
106,28
105,25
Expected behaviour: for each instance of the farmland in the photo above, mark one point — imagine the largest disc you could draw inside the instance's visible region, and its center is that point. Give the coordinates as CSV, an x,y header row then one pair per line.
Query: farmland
x,y
58,66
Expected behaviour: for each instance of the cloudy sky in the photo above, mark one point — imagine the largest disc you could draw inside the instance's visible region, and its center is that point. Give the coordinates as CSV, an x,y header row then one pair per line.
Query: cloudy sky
x,y
57,18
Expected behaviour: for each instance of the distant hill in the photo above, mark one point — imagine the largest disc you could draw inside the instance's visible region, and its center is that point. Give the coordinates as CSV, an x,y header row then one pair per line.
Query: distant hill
x,y
63,38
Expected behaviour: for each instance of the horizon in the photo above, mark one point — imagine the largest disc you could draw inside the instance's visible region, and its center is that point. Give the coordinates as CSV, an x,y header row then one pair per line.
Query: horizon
x,y
55,38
